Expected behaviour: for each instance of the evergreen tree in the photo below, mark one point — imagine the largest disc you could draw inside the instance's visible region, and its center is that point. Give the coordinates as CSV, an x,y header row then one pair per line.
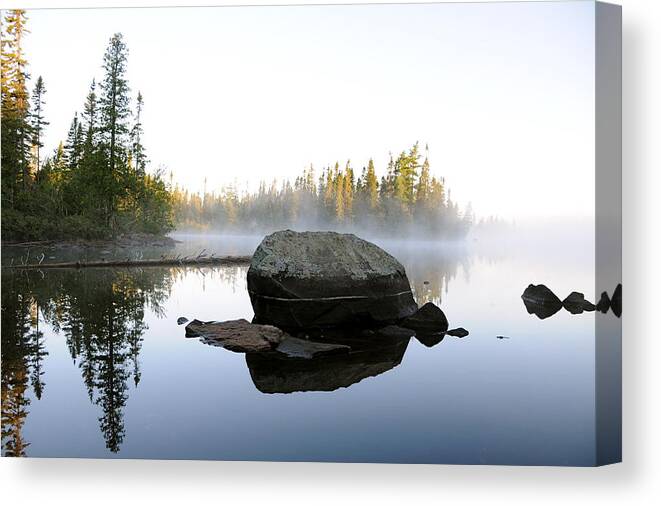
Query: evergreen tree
x,y
138,150
74,146
38,121
15,107
372,185
90,120
113,128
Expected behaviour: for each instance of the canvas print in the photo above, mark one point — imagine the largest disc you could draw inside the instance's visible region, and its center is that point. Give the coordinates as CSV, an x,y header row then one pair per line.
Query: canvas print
x,y
335,233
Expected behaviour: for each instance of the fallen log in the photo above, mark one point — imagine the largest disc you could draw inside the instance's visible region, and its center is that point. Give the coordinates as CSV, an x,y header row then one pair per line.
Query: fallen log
x,y
158,262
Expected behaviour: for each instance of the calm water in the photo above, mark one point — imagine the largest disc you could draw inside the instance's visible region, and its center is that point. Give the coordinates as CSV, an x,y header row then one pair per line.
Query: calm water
x,y
95,365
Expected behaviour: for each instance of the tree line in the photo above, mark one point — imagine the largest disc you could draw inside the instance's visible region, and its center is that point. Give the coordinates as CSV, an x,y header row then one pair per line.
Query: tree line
x,y
406,200
95,184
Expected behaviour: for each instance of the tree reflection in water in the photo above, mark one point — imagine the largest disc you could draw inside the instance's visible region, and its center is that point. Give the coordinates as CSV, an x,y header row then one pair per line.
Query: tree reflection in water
x,y
101,314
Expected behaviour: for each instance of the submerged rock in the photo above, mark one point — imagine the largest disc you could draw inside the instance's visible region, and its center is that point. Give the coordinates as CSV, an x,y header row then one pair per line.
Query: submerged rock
x,y
325,279
394,331
302,348
458,332
541,301
237,335
604,303
575,303
429,318
616,301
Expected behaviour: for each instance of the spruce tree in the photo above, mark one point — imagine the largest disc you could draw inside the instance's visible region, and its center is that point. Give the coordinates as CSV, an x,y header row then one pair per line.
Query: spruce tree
x,y
15,106
74,145
372,185
113,127
138,150
38,122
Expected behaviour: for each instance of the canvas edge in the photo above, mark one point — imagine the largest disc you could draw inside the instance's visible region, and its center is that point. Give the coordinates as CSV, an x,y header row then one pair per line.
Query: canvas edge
x,y
608,230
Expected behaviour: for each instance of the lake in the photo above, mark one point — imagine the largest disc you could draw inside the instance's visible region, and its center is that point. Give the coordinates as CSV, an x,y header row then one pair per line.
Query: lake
x,y
94,364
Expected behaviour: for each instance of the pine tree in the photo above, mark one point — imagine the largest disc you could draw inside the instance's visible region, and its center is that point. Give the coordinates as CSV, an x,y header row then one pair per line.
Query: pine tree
x,y
114,113
15,106
372,185
348,189
74,146
138,150
339,197
90,120
423,187
38,121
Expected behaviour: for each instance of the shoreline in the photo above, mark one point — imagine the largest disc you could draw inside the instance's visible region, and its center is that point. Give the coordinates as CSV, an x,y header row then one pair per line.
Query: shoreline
x,y
121,242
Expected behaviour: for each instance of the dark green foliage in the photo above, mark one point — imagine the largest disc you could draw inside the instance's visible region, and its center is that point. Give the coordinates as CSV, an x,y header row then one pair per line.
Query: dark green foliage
x,y
95,184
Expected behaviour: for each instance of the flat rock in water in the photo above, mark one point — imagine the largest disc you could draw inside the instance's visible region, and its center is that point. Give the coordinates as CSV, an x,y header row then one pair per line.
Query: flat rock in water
x,y
458,332
575,303
429,318
302,348
237,335
326,279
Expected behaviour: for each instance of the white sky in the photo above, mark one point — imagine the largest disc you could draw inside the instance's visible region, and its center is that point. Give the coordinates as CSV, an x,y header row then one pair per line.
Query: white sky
x,y
502,93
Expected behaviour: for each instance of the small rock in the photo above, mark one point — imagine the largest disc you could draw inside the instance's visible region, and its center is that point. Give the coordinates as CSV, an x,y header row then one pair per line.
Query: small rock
x,y
181,320
604,303
301,348
428,318
502,337
458,332
541,301
430,340
540,294
575,303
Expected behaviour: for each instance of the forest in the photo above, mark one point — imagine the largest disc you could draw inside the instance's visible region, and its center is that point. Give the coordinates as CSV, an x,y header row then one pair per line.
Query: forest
x,y
99,184
96,183
406,200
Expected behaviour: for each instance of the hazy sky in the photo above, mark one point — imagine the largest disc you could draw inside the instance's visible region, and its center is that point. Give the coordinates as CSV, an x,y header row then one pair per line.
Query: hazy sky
x,y
503,94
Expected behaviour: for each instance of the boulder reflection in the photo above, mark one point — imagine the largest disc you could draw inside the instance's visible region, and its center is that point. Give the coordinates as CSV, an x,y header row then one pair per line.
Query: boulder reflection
x,y
276,373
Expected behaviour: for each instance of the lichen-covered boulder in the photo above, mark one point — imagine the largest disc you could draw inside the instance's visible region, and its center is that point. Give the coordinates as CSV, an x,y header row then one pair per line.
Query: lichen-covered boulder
x,y
326,279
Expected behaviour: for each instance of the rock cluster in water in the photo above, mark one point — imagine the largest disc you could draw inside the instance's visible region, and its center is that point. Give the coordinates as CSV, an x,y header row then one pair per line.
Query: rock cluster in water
x,y
330,310
543,303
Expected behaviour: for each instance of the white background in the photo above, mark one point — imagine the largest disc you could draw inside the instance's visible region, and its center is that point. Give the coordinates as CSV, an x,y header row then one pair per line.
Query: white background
x,y
636,481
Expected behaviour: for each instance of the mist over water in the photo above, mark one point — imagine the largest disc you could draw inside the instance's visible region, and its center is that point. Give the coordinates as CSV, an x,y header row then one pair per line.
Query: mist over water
x,y
524,398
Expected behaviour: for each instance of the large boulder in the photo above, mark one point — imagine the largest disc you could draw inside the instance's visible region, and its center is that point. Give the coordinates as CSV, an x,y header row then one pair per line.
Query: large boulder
x,y
326,279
